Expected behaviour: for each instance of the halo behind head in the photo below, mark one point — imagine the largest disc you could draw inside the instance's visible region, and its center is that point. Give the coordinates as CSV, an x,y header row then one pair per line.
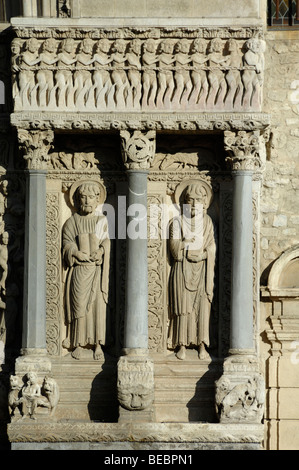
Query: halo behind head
x,y
181,188
77,184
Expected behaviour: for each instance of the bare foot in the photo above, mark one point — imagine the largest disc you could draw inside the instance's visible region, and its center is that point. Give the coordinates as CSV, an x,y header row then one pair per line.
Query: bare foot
x,y
77,353
202,353
66,343
98,353
181,354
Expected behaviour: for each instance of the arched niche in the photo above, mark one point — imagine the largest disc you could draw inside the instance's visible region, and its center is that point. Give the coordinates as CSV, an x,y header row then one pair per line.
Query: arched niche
x,y
283,283
284,274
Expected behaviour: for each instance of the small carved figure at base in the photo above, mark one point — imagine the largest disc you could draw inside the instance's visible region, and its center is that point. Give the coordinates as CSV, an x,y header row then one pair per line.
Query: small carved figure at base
x,y
14,397
31,396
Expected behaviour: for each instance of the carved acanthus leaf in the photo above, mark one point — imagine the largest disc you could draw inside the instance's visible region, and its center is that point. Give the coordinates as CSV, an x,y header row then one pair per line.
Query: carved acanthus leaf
x,y
243,150
36,146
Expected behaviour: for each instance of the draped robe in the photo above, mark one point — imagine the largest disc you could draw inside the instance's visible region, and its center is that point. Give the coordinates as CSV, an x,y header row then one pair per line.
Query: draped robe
x,y
191,287
87,283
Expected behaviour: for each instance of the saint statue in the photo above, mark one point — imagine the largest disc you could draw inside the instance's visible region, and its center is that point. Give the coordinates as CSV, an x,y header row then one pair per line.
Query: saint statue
x,y
193,249
86,253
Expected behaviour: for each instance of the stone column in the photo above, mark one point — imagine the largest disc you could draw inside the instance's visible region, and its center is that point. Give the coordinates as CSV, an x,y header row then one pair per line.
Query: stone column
x,y
240,391
35,145
135,369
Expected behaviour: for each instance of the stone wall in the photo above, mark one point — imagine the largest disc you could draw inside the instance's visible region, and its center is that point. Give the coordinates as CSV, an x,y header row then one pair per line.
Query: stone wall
x,y
280,234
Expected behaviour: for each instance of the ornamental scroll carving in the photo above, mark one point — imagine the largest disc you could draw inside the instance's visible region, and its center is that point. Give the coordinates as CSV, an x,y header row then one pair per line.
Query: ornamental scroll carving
x,y
138,74
138,149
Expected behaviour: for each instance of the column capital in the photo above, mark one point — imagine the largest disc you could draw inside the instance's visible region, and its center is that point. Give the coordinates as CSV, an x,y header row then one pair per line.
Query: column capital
x,y
243,150
138,149
35,146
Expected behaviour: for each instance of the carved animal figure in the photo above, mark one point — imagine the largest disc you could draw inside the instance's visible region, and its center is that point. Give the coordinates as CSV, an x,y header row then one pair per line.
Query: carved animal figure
x,y
14,397
51,391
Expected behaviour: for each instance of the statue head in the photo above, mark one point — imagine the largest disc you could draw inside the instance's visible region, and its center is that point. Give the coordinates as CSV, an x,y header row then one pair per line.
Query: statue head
x,y
86,195
88,198
197,195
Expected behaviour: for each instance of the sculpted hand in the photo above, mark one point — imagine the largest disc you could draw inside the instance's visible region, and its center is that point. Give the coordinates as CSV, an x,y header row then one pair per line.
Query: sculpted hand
x,y
82,256
97,256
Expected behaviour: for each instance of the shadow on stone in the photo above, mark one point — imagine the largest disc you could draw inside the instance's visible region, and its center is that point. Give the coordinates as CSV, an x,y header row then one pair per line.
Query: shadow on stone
x,y
103,404
201,407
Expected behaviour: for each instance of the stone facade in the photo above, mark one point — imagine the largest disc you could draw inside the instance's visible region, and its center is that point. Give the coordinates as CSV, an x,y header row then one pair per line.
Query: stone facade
x,y
153,325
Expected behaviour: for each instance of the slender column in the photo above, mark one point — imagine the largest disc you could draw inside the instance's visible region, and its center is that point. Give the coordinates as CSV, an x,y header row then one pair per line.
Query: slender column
x,y
136,323
35,145
241,366
135,369
242,263
243,156
34,315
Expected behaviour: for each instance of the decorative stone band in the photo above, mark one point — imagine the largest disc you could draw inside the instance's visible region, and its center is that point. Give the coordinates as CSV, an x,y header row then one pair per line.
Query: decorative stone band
x,y
188,121
202,70
35,146
138,149
243,149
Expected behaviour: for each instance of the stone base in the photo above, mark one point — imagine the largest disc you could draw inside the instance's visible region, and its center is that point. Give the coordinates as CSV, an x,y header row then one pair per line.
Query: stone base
x,y
240,391
135,436
140,416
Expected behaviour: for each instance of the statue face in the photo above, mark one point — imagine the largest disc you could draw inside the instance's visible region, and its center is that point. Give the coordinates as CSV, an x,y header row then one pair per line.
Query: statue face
x,y
197,200
88,201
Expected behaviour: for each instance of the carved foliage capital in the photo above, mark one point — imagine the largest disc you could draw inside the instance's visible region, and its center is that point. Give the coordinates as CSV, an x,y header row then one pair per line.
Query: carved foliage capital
x,y
243,149
35,146
138,149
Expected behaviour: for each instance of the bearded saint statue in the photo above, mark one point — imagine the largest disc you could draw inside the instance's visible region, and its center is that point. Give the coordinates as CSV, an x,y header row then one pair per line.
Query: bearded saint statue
x,y
86,253
191,286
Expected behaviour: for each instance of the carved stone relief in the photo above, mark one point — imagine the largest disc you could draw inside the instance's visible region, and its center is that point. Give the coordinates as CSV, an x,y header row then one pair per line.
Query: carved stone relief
x,y
29,398
193,249
135,383
138,74
240,392
86,254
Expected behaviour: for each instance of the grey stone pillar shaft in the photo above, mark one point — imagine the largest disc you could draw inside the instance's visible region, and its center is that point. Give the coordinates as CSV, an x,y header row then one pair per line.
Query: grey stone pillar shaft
x,y
242,263
136,320
34,315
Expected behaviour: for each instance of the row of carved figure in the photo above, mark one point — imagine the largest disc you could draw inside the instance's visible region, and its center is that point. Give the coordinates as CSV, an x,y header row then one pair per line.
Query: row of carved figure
x,y
115,75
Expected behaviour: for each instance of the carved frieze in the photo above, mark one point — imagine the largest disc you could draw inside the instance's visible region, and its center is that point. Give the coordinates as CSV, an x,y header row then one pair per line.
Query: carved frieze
x,y
205,71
